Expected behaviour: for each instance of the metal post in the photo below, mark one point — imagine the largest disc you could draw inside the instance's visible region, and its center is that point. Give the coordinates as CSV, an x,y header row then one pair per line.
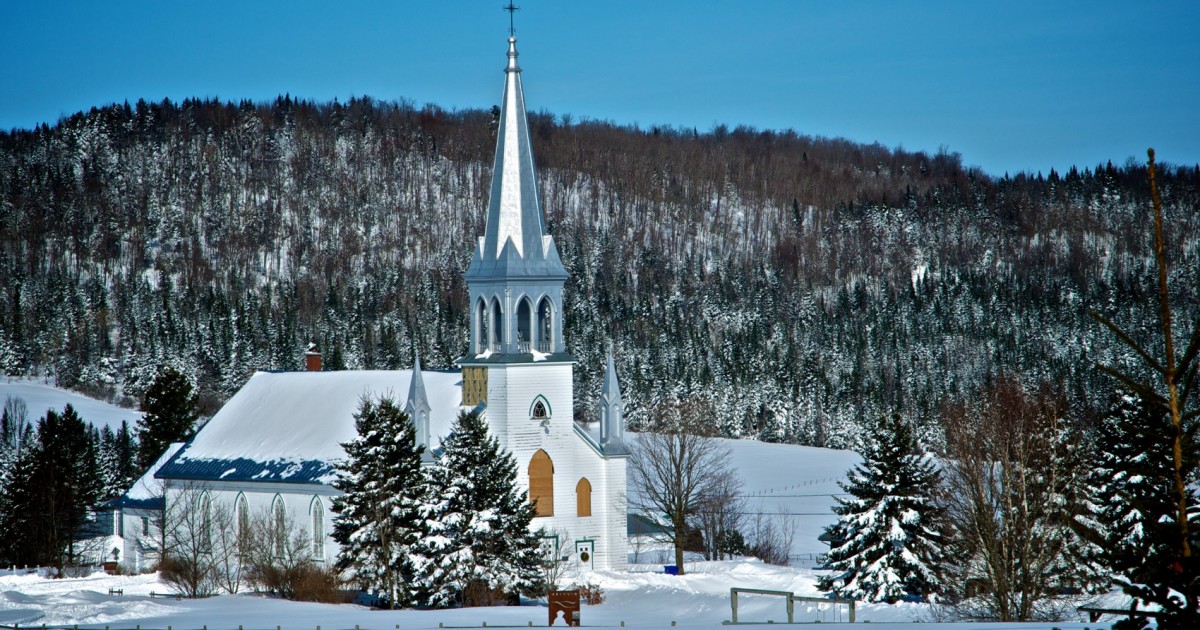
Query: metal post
x,y
733,602
791,607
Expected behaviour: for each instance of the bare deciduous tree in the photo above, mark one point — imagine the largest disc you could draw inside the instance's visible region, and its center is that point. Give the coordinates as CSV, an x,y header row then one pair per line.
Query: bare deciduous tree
x,y
719,513
1011,484
679,467
556,558
187,560
277,554
771,537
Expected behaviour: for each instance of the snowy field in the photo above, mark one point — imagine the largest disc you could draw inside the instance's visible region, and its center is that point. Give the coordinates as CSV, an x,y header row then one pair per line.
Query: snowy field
x,y
795,482
39,397
639,599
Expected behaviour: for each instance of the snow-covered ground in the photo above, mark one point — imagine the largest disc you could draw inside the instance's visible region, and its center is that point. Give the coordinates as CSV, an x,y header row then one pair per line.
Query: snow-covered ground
x,y
795,481
39,397
639,599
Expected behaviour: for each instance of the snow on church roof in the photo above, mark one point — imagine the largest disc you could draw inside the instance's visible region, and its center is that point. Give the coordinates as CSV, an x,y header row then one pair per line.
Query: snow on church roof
x,y
147,492
289,426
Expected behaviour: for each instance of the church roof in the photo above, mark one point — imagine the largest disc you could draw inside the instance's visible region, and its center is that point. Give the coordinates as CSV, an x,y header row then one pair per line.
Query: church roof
x,y
515,242
289,427
147,492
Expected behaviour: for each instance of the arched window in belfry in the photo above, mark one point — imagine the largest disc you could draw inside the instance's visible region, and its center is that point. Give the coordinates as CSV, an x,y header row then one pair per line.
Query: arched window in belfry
x,y
524,325
497,326
583,497
482,343
545,325
541,483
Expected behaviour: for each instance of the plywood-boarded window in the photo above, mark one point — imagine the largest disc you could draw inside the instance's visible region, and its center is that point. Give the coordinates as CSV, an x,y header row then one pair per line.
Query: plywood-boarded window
x,y
541,483
474,390
583,497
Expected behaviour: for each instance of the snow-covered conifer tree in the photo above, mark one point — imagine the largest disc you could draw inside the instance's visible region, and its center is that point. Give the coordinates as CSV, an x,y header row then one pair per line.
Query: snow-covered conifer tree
x,y
377,520
888,543
479,547
1132,523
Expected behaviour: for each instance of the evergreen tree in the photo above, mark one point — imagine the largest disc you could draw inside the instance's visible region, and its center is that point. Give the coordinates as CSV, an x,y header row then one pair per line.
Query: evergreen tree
x,y
169,413
377,521
888,542
1132,524
48,495
479,547
117,461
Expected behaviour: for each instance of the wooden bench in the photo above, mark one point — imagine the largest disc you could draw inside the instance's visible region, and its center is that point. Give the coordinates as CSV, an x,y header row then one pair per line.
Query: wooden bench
x,y
1094,613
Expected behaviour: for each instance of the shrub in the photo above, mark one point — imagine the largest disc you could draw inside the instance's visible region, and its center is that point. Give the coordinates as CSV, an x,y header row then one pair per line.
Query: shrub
x,y
316,584
591,594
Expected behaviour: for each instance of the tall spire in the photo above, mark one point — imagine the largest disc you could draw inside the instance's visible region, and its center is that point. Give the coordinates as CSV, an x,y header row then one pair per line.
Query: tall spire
x,y
515,277
514,212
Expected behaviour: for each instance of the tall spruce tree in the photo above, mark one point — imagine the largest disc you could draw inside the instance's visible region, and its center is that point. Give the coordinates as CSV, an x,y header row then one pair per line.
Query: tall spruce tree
x,y
169,412
1131,526
888,542
479,548
377,519
48,494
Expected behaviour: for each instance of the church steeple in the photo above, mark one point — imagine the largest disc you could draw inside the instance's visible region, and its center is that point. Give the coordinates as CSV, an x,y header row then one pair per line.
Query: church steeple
x,y
515,276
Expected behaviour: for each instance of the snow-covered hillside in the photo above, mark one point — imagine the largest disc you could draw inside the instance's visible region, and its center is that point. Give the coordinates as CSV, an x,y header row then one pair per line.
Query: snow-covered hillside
x,y
39,397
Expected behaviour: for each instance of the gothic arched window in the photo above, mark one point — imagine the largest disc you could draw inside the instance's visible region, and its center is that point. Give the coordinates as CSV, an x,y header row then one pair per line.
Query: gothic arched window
x,y
318,529
545,325
241,511
583,497
497,326
481,328
278,525
206,523
524,325
541,483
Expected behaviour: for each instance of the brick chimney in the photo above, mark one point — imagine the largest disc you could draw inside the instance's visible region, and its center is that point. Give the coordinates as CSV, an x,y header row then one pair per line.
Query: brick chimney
x,y
312,358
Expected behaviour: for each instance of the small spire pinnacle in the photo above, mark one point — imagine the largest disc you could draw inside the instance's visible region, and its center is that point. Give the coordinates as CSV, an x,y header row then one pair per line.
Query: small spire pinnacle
x,y
512,9
612,419
417,406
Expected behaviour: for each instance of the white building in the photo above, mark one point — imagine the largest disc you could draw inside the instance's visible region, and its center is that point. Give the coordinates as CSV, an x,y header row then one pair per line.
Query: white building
x,y
274,445
128,530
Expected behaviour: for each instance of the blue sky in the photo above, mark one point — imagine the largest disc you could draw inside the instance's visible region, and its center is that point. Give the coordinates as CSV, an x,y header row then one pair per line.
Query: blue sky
x,y
1010,85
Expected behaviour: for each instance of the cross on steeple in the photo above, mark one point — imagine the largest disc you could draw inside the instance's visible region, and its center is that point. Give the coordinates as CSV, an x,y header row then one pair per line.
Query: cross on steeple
x,y
511,8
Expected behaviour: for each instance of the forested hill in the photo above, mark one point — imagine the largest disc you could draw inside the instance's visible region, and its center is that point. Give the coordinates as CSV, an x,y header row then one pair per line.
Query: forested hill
x,y
798,284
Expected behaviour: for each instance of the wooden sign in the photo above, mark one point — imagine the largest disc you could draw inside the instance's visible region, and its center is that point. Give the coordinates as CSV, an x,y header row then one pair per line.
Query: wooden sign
x,y
567,603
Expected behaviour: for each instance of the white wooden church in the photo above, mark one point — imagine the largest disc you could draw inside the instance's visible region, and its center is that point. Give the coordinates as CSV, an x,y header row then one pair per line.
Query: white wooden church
x,y
274,445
